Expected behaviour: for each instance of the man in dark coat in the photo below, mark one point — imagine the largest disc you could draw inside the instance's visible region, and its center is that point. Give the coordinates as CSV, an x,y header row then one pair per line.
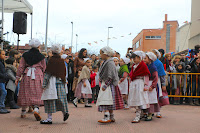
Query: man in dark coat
x,y
3,79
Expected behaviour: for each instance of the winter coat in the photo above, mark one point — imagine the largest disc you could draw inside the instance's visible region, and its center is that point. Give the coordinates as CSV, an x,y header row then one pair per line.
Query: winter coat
x,y
11,72
3,75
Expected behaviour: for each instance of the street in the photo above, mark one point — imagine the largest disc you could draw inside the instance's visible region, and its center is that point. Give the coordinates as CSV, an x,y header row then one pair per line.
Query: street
x,y
176,119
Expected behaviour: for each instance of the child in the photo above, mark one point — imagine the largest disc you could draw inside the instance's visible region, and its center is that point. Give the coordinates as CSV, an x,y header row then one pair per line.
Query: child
x,y
11,87
54,94
123,82
109,97
179,83
153,80
138,95
83,89
116,61
93,83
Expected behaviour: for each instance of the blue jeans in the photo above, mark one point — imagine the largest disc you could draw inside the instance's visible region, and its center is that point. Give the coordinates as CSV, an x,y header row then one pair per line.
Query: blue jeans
x,y
2,95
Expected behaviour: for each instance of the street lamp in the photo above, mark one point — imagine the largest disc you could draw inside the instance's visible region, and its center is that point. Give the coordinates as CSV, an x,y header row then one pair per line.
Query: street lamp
x,y
72,36
108,35
46,25
76,41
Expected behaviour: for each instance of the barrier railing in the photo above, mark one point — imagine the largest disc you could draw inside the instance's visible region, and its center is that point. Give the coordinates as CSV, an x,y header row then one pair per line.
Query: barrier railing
x,y
188,85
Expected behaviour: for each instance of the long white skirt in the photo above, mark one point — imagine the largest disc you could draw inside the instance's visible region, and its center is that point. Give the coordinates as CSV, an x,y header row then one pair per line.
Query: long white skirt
x,y
152,95
123,86
137,95
87,89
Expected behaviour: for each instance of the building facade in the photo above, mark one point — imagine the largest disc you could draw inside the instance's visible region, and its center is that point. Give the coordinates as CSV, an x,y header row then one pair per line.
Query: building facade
x,y
195,24
182,37
164,38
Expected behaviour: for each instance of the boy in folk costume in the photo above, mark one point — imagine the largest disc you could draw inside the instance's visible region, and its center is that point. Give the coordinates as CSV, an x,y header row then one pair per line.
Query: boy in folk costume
x,y
138,95
123,82
161,86
54,94
83,89
109,97
153,80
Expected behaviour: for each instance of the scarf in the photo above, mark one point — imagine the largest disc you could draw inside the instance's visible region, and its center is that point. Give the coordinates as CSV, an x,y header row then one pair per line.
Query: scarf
x,y
123,69
152,68
108,71
160,68
140,70
33,56
85,74
56,67
11,67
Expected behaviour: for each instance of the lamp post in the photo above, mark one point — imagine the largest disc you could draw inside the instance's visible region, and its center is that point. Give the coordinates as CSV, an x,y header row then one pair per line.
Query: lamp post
x,y
108,36
72,36
76,41
47,25
2,24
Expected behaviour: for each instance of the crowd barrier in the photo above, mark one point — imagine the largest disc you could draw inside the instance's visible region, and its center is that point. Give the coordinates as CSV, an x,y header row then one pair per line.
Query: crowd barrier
x,y
188,85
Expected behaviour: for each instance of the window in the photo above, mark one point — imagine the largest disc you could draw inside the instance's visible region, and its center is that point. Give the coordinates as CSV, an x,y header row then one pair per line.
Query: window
x,y
137,44
153,37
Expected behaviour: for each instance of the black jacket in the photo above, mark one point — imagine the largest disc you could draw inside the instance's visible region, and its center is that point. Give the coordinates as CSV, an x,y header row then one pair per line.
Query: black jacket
x,y
70,70
3,75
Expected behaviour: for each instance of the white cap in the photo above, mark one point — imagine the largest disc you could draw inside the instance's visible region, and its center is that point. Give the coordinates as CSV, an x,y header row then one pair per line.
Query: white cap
x,y
151,56
86,59
64,56
115,58
34,43
108,51
141,54
126,60
56,49
158,53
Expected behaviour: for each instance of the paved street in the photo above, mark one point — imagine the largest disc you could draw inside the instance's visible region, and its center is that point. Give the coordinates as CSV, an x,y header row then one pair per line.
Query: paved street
x,y
176,119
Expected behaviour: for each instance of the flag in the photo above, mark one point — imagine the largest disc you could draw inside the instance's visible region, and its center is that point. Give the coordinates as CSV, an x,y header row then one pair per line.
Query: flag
x,y
122,36
114,38
96,42
186,22
109,38
129,34
89,44
102,40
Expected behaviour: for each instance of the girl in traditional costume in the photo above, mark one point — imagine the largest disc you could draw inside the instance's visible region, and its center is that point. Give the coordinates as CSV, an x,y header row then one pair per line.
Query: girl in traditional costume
x,y
54,94
109,97
31,72
83,89
153,80
138,95
123,82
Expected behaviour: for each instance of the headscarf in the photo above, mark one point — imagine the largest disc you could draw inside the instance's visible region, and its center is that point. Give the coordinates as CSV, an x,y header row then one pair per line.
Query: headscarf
x,y
141,54
151,56
126,60
56,49
107,51
86,59
158,53
34,43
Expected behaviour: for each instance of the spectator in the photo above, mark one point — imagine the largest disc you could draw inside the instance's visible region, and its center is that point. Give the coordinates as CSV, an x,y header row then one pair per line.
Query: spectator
x,y
162,53
3,79
11,87
70,77
67,51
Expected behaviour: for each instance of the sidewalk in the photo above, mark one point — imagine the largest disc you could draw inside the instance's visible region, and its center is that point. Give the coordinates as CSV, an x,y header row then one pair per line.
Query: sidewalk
x,y
176,119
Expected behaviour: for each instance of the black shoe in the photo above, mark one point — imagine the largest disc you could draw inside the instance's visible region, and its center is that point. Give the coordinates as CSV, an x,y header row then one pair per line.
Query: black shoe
x,y
66,116
6,110
88,106
74,104
13,105
45,122
2,111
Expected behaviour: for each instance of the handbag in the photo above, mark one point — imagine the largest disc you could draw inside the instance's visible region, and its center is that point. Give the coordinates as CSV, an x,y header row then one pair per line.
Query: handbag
x,y
164,100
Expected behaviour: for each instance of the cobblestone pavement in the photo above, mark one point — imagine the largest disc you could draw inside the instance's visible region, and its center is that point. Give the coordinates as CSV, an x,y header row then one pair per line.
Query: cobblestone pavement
x,y
176,119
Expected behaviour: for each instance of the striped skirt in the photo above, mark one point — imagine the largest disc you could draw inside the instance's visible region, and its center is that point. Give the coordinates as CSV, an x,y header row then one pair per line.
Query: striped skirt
x,y
60,104
117,100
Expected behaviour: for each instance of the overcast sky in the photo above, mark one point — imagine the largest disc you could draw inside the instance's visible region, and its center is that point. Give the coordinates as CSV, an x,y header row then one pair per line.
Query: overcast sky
x,y
93,17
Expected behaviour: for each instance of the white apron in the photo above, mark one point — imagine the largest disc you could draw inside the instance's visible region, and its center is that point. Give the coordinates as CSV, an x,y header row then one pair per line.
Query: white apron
x,y
87,89
152,94
123,86
159,87
137,96
105,97
50,93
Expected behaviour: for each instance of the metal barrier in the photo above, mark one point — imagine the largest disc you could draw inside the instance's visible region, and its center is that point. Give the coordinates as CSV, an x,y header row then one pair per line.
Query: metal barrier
x,y
191,79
